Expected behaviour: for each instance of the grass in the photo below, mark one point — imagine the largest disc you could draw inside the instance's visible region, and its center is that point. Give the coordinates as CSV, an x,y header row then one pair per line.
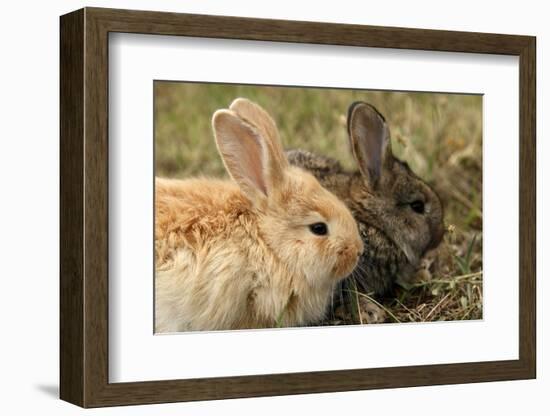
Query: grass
x,y
439,135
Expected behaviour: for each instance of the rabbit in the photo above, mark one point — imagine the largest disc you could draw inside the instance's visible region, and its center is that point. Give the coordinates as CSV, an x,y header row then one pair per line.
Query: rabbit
x,y
263,249
400,217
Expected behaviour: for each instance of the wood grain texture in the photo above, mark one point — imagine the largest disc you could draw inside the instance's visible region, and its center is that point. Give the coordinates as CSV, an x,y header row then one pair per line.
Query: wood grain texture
x,y
71,213
225,27
84,207
527,208
96,208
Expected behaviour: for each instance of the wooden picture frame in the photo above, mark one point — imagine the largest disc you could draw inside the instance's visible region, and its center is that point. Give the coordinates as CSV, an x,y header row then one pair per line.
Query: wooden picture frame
x,y
84,207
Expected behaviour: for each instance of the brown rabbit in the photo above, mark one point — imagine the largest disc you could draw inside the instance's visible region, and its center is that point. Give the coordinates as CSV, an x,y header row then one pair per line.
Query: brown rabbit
x,y
263,249
400,217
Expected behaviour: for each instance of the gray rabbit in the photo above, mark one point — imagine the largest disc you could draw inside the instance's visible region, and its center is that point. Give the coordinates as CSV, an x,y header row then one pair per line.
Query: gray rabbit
x,y
400,217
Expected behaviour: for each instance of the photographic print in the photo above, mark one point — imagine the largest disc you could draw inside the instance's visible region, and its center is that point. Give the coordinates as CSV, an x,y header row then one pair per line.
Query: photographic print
x,y
295,206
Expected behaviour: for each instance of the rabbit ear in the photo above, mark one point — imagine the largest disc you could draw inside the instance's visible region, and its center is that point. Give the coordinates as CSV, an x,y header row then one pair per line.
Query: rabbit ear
x,y
370,140
246,155
262,121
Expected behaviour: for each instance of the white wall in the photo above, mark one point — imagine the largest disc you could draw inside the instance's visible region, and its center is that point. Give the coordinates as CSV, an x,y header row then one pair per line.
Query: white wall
x,y
29,207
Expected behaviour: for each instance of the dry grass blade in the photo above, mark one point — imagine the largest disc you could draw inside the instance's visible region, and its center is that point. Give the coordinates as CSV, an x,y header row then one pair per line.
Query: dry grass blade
x,y
411,311
438,304
384,308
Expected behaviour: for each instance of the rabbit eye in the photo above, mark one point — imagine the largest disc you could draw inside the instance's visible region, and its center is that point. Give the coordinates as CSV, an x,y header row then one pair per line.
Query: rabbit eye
x,y
319,228
417,206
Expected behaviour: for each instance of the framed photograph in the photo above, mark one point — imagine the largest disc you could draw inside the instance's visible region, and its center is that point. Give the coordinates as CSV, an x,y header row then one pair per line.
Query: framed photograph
x,y
256,207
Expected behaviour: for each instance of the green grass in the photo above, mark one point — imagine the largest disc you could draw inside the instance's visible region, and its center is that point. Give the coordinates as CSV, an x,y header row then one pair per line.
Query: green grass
x,y
439,135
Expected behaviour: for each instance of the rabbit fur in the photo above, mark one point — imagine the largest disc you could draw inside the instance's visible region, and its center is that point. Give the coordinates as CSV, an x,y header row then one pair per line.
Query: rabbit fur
x,y
400,217
241,253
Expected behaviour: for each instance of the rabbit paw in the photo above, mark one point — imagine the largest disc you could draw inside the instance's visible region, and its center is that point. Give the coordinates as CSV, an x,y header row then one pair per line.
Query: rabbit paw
x,y
371,313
